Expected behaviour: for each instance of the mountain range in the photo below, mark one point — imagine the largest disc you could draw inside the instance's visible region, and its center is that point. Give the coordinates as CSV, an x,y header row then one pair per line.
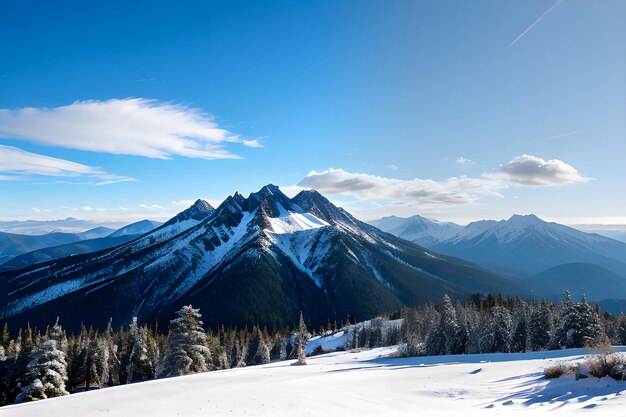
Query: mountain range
x,y
19,251
255,260
545,257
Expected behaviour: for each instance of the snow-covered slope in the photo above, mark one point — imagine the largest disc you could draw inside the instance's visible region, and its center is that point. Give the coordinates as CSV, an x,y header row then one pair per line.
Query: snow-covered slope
x,y
368,383
138,228
260,259
418,229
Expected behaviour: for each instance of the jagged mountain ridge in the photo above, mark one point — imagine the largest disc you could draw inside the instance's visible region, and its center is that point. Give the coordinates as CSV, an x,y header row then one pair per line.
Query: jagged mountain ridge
x,y
255,260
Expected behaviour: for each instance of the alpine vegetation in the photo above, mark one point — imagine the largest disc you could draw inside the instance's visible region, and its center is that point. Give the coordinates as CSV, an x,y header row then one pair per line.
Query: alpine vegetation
x,y
46,371
36,365
187,346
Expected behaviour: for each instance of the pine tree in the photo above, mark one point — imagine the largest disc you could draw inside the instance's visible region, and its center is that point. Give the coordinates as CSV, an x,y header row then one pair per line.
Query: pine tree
x,y
578,325
519,340
112,349
540,326
445,338
99,361
139,367
261,350
496,331
47,369
188,350
302,338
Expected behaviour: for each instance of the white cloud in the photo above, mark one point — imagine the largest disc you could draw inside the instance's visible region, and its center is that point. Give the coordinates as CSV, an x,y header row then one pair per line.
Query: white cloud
x,y
393,167
132,126
463,161
524,170
532,170
19,163
152,207
423,192
185,203
254,143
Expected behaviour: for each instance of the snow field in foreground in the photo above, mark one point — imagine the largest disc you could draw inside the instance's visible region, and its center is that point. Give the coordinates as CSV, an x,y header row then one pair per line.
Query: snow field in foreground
x,y
368,383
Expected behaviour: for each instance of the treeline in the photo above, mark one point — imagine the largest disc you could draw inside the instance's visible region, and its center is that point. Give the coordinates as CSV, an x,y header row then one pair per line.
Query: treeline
x,y
42,364
36,365
496,324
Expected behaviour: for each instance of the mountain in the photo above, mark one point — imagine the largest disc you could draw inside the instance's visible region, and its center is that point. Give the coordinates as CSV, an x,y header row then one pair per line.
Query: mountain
x,y
61,251
41,227
596,282
527,245
23,250
135,229
255,260
12,244
95,233
418,229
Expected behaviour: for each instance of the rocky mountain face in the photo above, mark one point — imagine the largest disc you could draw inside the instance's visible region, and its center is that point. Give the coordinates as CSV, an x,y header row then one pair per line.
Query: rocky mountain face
x,y
255,260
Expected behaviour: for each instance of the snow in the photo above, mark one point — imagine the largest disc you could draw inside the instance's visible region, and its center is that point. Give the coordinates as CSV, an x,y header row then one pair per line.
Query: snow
x,y
289,221
368,383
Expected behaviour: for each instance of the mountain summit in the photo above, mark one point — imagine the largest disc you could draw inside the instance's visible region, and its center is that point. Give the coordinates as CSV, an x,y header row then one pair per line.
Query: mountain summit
x,y
255,260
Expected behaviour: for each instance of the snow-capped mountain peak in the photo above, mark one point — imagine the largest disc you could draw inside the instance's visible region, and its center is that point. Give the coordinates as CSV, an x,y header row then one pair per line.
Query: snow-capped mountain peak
x,y
259,259
418,229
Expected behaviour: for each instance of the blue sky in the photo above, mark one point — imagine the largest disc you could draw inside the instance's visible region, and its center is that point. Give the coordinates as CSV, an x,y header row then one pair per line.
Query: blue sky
x,y
454,110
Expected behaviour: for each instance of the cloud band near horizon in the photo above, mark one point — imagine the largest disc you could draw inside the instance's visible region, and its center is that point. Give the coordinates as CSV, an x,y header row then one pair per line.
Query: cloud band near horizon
x,y
523,170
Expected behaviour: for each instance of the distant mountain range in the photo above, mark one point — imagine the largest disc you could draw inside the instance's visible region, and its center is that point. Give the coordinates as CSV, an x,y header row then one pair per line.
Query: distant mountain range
x,y
67,225
418,229
20,251
546,257
255,260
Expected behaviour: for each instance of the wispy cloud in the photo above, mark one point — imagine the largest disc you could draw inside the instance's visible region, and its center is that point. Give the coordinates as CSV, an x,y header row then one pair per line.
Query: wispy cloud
x,y
423,192
563,135
539,19
393,167
463,161
132,126
18,164
524,170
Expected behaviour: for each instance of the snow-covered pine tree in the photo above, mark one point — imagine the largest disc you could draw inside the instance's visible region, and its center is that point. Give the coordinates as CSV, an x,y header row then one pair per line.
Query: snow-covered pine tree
x,y
99,361
578,325
302,338
591,330
9,373
261,350
445,338
496,331
539,326
139,366
188,350
519,339
46,371
114,360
